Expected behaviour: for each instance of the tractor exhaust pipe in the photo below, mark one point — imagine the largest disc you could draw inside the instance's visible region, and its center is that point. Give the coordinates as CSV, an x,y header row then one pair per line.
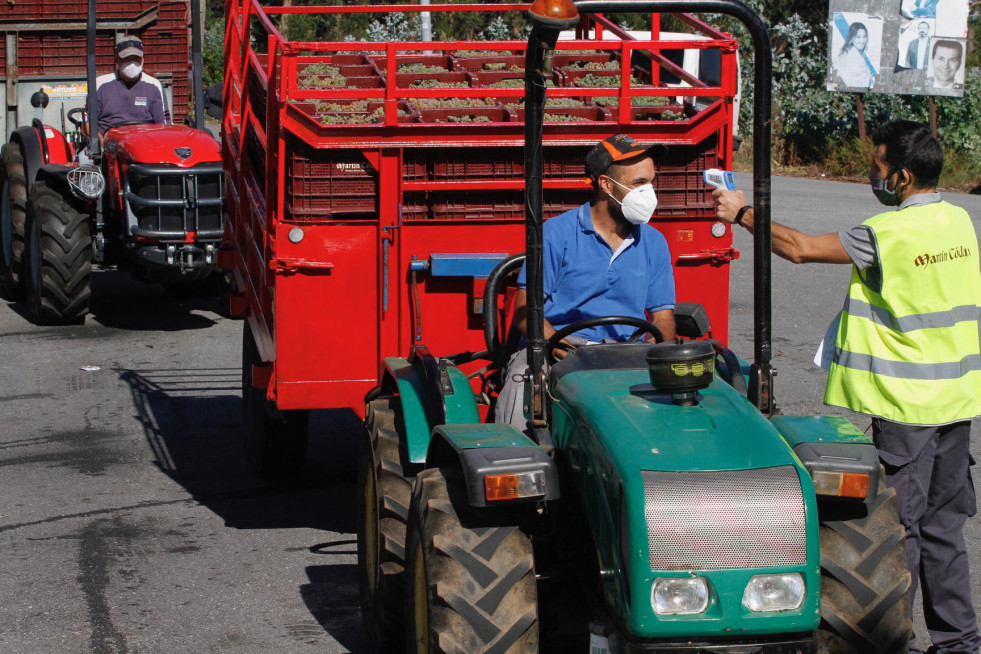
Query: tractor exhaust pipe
x,y
197,74
550,11
95,147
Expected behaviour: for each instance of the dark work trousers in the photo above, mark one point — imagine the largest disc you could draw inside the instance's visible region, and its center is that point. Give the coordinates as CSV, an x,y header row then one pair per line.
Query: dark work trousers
x,y
930,469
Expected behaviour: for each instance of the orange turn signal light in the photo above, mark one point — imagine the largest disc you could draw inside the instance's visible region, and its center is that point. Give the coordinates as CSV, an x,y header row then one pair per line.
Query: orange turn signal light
x,y
854,485
500,487
514,486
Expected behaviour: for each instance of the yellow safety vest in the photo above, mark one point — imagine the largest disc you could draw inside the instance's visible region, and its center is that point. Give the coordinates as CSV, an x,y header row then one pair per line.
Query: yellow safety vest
x,y
907,348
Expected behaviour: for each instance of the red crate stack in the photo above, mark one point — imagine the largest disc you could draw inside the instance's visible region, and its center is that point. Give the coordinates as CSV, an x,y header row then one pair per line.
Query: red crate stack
x,y
53,53
477,163
328,184
679,185
61,52
501,205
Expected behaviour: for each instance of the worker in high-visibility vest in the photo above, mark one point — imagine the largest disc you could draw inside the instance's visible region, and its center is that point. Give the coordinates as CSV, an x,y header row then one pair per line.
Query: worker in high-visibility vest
x,y
906,352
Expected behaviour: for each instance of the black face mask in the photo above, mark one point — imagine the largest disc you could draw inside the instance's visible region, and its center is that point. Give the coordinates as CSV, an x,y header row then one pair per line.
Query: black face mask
x,y
880,188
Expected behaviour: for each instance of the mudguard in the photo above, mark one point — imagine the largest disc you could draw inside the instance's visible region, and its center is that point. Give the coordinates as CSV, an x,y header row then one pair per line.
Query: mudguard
x,y
832,444
55,175
421,397
482,450
30,147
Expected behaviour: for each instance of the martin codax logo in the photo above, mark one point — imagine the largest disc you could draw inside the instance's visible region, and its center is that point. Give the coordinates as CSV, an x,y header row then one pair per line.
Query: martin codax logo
x,y
927,259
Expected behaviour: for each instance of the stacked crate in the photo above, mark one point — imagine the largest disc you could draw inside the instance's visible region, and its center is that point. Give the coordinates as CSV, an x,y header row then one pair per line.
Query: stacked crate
x,y
326,185
46,49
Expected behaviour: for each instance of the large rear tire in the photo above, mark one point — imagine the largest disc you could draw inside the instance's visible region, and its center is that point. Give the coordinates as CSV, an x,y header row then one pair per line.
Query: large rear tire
x,y
384,494
471,574
865,604
275,441
13,222
58,261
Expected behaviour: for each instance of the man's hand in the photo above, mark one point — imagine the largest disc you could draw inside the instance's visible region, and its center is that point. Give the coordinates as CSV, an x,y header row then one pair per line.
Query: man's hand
x,y
728,204
560,353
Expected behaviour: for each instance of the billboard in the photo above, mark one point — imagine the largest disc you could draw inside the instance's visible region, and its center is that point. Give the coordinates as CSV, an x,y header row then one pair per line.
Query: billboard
x,y
911,47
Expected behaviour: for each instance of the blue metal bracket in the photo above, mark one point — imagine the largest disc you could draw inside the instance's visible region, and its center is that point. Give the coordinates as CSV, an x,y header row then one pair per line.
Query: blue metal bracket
x,y
477,265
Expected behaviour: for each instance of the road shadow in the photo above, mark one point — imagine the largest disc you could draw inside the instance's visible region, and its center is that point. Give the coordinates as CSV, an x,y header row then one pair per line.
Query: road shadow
x,y
332,598
120,302
191,421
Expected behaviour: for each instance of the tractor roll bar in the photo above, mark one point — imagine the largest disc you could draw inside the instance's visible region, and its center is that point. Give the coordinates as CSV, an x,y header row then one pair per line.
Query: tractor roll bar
x,y
545,16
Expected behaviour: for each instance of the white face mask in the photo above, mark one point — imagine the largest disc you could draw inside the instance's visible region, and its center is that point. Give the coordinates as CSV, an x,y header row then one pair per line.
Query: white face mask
x,y
131,70
638,204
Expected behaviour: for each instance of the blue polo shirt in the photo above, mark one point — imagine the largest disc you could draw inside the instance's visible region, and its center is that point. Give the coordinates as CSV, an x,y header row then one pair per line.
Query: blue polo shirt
x,y
584,277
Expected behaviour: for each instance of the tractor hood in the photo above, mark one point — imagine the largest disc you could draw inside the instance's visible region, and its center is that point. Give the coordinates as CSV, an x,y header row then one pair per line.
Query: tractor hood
x,y
644,427
176,145
671,491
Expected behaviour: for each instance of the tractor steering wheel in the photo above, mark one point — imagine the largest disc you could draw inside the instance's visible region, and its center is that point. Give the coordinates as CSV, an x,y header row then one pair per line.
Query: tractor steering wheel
x,y
77,122
643,327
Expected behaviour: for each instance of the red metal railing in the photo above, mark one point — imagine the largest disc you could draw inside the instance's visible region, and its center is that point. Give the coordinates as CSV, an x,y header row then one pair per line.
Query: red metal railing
x,y
374,175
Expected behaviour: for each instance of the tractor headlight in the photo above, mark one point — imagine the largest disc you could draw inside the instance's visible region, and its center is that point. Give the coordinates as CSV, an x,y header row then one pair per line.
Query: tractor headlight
x,y
774,592
679,595
86,182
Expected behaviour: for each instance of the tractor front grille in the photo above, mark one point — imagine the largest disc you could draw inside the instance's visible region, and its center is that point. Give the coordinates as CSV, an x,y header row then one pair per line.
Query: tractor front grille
x,y
724,520
165,201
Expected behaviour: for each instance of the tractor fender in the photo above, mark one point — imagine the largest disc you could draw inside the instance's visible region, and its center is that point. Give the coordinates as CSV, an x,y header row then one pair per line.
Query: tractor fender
x,y
414,382
831,444
483,450
55,175
30,147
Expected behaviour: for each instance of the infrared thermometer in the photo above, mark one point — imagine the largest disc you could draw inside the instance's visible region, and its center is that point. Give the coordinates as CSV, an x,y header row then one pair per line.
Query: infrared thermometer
x,y
720,179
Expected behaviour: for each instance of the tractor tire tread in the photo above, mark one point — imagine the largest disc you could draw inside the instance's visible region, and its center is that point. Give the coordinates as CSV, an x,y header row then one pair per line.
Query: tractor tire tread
x,y
382,606
11,275
480,570
865,584
64,270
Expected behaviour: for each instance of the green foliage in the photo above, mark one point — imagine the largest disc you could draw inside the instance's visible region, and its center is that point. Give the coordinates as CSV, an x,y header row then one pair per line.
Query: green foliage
x,y
812,125
395,27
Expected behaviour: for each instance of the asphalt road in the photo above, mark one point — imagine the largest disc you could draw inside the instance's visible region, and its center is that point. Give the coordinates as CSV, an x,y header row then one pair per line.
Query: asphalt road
x,y
128,523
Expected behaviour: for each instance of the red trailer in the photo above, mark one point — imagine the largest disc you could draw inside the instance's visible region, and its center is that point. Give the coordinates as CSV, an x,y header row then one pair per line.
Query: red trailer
x,y
372,187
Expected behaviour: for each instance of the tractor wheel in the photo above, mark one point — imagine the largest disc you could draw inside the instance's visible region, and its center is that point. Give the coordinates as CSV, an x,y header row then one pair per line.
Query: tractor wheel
x,y
13,218
471,573
58,261
865,604
275,441
384,493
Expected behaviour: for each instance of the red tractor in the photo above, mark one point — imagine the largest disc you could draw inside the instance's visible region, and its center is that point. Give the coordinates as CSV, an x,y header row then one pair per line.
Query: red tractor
x,y
146,198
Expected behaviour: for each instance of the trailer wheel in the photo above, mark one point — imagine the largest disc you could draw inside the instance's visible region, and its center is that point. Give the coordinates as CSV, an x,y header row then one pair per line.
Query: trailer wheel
x,y
275,441
13,218
865,604
471,573
58,261
384,493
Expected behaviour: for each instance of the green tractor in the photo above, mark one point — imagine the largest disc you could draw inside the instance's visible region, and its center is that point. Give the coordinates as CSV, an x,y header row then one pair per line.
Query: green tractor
x,y
660,504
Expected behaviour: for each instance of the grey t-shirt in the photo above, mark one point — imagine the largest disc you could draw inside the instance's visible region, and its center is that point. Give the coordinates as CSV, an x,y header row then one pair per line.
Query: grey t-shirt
x,y
119,102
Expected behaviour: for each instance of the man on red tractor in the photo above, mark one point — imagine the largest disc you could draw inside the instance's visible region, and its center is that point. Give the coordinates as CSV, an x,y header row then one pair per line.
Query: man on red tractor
x,y
129,95
600,260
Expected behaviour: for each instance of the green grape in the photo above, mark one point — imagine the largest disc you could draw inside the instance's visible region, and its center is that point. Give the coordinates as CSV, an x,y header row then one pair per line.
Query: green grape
x,y
421,68
437,84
